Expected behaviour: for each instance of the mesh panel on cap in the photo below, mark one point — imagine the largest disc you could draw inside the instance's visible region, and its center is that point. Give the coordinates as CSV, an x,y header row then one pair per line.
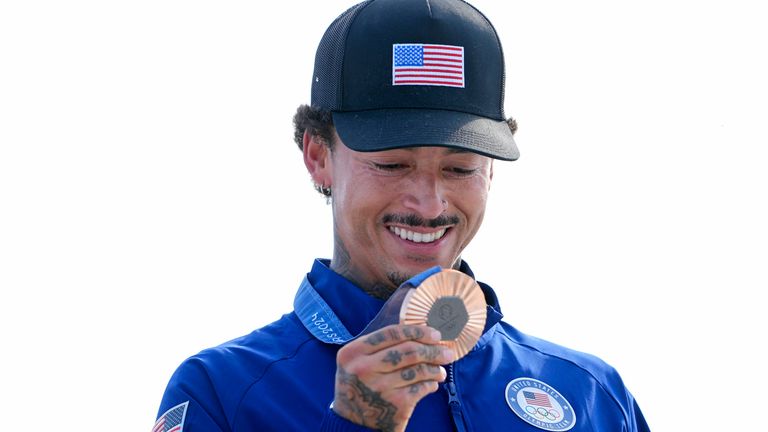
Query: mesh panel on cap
x,y
329,61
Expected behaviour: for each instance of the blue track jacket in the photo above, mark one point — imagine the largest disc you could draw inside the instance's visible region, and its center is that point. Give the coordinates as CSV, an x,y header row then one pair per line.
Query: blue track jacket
x,y
281,377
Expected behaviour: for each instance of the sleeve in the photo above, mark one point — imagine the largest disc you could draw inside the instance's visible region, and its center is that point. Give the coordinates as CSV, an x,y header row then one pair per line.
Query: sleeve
x,y
191,402
333,422
636,418
634,421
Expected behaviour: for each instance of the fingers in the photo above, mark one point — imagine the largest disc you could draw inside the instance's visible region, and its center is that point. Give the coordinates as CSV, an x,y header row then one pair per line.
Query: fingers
x,y
382,376
380,405
395,334
399,373
393,348
390,336
407,383
416,376
420,389
410,353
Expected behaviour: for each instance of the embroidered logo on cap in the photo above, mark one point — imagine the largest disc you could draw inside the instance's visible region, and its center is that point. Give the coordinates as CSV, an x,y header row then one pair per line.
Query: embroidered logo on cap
x,y
172,420
425,64
538,404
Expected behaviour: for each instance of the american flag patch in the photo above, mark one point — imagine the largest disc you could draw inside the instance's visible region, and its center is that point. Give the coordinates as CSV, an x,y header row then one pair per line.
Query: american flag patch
x,y
538,399
425,64
172,420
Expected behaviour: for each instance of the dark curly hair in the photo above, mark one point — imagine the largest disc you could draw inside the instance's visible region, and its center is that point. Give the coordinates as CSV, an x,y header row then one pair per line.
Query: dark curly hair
x,y
319,123
316,121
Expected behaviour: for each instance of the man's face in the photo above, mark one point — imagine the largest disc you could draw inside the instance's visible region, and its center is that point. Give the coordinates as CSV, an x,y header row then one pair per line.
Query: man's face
x,y
398,212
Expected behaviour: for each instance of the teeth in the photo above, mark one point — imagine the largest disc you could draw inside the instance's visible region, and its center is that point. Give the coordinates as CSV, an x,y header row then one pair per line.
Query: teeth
x,y
417,237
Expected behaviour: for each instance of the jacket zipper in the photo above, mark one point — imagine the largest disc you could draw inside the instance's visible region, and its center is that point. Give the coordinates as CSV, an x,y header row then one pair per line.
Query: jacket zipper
x,y
453,401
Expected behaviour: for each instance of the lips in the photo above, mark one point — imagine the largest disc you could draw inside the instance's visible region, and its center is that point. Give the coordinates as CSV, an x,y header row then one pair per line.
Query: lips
x,y
418,237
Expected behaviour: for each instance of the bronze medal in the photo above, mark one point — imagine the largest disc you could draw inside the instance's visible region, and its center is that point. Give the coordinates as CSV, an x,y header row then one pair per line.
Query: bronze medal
x,y
449,301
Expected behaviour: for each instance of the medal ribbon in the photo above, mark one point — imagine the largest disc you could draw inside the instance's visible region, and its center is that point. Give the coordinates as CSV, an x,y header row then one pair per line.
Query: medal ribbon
x,y
318,317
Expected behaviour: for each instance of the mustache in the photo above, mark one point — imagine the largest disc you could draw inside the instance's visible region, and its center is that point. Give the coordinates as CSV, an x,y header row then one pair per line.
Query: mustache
x,y
415,220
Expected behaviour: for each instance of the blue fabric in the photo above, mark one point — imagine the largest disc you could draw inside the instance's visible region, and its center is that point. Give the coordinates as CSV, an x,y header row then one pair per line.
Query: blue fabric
x,y
351,305
281,377
419,278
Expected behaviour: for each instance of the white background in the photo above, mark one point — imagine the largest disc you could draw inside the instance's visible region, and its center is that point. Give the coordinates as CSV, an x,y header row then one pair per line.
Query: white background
x,y
152,202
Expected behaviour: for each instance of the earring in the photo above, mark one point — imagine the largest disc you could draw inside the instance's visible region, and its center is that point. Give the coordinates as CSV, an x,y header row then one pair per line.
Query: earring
x,y
325,190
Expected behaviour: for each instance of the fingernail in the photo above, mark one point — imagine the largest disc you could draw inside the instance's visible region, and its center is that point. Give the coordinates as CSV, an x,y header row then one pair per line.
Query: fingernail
x,y
435,335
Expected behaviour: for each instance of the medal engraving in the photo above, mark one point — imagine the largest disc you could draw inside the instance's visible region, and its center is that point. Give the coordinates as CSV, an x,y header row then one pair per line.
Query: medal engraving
x,y
450,302
448,315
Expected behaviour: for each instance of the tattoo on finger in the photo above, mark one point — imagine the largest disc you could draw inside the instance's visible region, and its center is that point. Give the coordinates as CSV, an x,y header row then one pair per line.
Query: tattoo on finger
x,y
408,374
428,352
413,332
375,339
394,357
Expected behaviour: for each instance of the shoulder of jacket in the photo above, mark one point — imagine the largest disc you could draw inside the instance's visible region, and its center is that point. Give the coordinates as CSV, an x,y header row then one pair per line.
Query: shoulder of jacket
x,y
591,366
258,349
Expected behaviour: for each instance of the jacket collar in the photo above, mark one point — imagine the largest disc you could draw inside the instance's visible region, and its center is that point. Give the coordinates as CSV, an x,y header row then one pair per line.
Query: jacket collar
x,y
355,308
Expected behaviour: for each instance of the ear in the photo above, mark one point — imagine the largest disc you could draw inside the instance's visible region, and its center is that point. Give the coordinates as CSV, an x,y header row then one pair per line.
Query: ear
x,y
317,159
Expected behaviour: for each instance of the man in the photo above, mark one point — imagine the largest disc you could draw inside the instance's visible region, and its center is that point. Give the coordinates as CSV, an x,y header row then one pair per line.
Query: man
x,y
405,121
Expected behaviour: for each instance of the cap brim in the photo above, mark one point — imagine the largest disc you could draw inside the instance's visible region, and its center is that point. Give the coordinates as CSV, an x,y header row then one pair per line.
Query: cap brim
x,y
378,130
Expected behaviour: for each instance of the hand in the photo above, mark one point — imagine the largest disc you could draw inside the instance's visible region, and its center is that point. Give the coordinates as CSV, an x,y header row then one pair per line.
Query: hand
x,y
381,376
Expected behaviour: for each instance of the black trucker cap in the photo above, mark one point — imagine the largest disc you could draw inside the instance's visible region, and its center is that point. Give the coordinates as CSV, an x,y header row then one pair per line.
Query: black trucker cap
x,y
408,73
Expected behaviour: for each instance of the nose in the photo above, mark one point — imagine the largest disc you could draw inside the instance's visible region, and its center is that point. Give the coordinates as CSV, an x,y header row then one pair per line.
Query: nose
x,y
426,196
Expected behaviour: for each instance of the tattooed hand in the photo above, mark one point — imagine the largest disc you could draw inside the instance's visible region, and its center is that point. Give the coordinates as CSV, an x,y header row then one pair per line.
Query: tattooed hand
x,y
382,376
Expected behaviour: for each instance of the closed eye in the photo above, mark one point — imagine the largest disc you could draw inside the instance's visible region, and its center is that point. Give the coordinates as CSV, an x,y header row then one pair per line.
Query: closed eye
x,y
461,172
389,167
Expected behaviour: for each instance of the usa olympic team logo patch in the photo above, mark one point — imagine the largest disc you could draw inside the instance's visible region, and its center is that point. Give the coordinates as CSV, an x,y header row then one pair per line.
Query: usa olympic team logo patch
x,y
540,405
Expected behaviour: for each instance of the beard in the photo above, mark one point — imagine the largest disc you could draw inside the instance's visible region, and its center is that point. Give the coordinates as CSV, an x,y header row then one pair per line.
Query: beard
x,y
397,279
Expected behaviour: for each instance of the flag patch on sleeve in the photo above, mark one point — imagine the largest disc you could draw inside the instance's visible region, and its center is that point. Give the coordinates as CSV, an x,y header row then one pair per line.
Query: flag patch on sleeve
x,y
172,420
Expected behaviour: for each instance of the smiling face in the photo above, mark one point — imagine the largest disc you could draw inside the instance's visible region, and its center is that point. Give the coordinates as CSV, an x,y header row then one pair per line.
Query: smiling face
x,y
398,212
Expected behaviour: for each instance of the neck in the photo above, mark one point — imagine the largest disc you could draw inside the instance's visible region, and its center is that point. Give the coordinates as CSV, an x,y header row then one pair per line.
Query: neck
x,y
381,290
342,265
